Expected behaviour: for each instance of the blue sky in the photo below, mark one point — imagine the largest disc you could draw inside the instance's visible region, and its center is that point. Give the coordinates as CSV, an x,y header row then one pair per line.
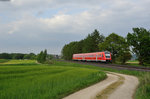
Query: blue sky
x,y
34,25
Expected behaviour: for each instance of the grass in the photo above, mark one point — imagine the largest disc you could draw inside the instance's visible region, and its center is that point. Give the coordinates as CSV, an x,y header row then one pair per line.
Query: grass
x,y
3,60
20,62
20,81
143,90
58,80
134,63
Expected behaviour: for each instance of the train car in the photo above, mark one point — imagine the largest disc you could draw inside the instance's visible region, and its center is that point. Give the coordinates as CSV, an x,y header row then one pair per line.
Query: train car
x,y
96,56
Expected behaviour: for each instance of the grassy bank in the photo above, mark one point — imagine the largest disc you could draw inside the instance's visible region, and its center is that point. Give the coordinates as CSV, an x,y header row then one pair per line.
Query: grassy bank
x,y
44,81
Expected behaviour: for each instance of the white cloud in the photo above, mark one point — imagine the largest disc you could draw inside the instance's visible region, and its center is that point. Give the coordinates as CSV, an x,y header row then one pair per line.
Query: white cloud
x,y
21,19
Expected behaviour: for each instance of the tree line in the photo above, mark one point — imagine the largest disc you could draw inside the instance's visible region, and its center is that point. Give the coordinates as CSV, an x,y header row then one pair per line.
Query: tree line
x,y
120,47
42,57
89,44
17,56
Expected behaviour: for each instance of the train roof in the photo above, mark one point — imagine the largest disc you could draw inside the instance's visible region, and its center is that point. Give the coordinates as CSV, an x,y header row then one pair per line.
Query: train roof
x,y
91,53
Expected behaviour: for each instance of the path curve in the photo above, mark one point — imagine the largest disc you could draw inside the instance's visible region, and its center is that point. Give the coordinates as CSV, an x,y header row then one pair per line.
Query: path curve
x,y
127,89
124,91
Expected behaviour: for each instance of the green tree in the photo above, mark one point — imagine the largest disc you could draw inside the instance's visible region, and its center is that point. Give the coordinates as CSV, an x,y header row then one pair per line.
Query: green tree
x,y
32,56
118,47
124,56
69,49
41,58
50,57
139,41
44,55
26,56
18,56
90,43
5,56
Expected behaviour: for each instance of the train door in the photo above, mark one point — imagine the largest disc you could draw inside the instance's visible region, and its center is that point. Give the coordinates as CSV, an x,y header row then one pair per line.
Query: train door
x,y
96,56
99,57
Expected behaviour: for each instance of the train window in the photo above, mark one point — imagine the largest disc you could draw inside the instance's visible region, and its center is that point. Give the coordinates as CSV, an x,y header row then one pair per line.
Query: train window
x,y
107,54
99,55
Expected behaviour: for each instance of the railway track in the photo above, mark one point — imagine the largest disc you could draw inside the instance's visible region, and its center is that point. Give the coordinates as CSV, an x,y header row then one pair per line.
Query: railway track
x,y
115,66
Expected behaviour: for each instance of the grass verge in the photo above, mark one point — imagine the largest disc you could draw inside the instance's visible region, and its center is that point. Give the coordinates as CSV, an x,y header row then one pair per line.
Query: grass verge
x,y
143,90
42,81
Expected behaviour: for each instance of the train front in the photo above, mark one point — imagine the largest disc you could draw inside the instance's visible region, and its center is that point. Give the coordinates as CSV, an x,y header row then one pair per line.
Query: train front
x,y
108,57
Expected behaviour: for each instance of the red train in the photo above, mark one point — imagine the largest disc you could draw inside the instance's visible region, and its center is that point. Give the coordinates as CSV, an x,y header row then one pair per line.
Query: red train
x,y
96,56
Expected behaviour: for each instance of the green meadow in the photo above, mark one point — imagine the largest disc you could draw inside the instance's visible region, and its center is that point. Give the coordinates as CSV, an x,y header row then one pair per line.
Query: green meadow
x,y
3,60
24,79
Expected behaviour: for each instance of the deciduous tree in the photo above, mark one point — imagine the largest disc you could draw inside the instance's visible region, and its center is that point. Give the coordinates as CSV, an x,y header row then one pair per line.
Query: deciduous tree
x,y
41,58
89,44
118,47
139,41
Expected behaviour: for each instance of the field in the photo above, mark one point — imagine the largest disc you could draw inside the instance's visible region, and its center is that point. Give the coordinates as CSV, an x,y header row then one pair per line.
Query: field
x,y
20,62
24,79
27,80
133,63
3,61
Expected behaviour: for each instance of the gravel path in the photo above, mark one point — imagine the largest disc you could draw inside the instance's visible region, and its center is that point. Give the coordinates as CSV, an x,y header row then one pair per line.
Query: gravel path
x,y
125,90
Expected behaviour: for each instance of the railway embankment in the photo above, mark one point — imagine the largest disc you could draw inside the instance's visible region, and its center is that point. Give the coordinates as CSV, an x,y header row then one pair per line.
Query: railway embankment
x,y
114,66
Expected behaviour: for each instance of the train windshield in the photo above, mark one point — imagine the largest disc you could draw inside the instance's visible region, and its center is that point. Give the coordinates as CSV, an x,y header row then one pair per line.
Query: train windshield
x,y
107,54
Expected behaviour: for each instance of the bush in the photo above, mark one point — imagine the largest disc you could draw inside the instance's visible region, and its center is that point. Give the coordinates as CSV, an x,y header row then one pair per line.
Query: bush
x,y
48,62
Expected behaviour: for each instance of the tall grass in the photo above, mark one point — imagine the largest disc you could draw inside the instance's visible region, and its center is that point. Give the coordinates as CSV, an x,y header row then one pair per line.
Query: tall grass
x,y
57,80
3,60
44,81
143,90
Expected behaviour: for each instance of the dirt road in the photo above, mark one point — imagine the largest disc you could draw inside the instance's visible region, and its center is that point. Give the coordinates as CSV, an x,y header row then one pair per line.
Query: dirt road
x,y
116,86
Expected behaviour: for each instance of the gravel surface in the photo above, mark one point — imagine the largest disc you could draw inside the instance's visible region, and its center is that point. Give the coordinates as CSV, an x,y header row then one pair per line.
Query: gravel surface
x,y
124,91
127,89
